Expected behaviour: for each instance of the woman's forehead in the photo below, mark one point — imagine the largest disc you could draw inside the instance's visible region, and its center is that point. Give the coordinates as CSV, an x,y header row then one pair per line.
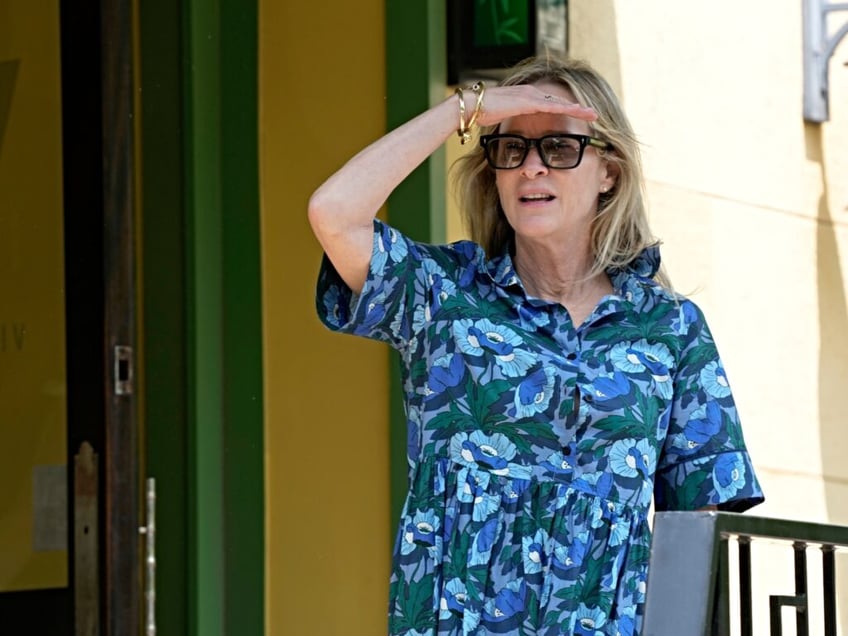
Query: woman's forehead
x,y
537,124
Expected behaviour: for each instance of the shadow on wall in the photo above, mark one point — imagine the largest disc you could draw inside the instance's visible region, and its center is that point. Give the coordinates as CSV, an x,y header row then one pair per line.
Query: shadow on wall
x,y
833,355
593,36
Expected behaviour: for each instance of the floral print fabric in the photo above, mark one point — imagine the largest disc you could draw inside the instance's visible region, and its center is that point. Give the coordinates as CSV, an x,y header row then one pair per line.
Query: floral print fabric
x,y
536,447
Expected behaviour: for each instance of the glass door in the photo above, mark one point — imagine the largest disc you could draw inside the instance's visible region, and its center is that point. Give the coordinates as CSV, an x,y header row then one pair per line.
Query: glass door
x,y
34,552
69,522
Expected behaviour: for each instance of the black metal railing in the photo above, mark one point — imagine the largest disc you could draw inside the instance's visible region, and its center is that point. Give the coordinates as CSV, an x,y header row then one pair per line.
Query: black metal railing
x,y
688,590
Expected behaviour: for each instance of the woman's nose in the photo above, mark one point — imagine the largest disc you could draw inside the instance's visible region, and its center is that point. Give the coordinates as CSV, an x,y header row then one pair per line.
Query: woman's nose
x,y
533,165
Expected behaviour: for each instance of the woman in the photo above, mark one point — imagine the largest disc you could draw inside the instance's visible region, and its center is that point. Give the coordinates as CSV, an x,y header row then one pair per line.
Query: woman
x,y
553,384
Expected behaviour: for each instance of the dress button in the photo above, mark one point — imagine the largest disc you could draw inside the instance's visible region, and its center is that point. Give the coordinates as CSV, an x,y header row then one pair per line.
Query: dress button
x,y
566,450
571,356
588,397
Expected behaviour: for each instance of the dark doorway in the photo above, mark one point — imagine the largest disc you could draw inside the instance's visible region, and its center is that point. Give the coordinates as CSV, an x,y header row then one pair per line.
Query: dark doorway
x,y
91,304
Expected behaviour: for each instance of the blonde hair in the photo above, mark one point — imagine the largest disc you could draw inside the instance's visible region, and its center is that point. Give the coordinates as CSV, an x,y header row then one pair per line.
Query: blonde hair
x,y
620,229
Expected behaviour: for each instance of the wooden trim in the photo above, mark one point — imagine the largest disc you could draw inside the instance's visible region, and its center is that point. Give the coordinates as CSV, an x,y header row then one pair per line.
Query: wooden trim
x,y
121,506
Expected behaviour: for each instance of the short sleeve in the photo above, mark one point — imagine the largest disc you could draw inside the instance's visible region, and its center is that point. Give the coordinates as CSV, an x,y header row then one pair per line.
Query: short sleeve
x,y
704,460
405,285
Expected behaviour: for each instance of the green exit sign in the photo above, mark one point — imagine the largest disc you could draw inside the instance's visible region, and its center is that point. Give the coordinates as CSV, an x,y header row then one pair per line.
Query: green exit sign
x,y
487,36
501,22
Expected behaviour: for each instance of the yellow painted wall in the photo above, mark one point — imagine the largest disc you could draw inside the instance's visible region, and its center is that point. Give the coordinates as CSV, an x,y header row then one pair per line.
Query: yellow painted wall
x,y
326,407
32,309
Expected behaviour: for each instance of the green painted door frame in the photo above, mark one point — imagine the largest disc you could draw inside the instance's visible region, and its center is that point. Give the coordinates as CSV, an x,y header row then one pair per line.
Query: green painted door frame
x,y
202,323
416,73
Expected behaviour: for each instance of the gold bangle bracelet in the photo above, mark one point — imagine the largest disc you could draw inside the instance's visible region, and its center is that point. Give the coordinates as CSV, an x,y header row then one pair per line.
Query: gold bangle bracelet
x,y
462,131
479,88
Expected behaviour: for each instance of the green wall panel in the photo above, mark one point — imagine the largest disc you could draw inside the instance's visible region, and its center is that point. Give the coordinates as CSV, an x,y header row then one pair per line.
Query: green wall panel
x,y
202,324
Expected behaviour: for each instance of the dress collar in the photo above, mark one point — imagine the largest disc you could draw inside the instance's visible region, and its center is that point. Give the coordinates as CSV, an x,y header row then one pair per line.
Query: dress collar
x,y
502,270
645,266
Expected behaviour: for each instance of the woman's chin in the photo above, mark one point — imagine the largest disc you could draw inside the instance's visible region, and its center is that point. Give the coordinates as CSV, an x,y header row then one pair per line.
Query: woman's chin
x,y
536,230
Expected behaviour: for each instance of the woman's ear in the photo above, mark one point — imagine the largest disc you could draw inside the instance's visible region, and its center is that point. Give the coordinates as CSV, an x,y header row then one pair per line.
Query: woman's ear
x,y
610,177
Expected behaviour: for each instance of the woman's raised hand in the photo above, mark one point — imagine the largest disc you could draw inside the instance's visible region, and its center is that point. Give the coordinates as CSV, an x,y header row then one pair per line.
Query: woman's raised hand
x,y
503,102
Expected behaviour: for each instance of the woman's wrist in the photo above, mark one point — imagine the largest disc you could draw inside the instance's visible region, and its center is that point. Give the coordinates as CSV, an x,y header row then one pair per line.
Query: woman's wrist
x,y
468,122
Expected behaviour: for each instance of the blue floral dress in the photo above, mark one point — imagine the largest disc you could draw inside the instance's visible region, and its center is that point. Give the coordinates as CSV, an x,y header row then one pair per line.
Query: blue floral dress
x,y
535,447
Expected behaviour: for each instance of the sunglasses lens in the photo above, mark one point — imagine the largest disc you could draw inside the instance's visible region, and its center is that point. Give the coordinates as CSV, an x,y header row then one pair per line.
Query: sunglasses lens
x,y
506,152
561,152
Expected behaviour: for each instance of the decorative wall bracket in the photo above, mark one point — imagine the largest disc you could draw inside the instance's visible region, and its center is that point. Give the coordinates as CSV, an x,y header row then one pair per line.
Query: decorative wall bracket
x,y
818,49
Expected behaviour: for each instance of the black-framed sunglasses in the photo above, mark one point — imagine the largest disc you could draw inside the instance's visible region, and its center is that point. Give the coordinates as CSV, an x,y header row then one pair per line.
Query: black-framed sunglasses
x,y
561,152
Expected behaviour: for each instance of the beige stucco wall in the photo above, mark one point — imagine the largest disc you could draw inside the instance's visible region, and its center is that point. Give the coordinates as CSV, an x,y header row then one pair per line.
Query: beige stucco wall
x,y
752,206
326,396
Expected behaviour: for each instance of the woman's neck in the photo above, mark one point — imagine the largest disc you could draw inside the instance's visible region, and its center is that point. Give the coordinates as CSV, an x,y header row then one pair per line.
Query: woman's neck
x,y
563,277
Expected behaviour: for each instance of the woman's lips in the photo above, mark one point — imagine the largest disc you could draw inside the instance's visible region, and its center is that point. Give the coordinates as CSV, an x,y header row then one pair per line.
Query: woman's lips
x,y
536,198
